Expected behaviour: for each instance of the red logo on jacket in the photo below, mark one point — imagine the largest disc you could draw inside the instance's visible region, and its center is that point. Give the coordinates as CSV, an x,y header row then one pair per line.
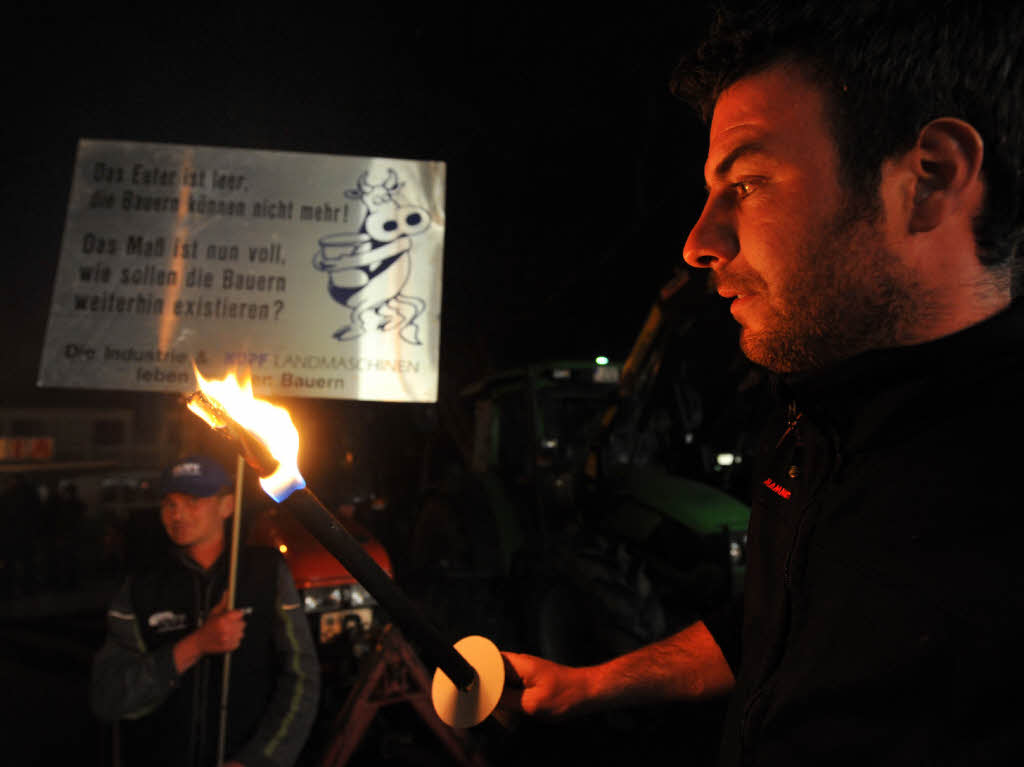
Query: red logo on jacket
x,y
777,489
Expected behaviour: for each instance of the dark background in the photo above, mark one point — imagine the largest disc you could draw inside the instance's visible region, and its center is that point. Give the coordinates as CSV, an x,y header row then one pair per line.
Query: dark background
x,y
573,176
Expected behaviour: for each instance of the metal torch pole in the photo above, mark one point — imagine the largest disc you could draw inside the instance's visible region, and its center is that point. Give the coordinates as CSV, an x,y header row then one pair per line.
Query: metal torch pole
x,y
232,580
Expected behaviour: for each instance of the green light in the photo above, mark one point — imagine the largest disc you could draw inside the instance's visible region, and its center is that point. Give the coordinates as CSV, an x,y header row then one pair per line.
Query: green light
x,y
601,360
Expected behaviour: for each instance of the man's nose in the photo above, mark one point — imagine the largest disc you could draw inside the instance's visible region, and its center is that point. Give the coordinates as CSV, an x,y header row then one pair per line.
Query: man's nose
x,y
712,242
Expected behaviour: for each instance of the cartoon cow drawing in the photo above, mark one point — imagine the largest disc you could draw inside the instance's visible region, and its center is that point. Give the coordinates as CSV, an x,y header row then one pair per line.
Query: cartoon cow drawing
x,y
368,269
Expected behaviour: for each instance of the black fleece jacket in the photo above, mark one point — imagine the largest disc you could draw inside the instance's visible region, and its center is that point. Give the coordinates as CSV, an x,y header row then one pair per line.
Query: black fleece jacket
x,y
884,596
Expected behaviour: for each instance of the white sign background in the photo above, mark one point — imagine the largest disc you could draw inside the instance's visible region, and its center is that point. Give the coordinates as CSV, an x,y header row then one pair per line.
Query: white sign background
x,y
234,258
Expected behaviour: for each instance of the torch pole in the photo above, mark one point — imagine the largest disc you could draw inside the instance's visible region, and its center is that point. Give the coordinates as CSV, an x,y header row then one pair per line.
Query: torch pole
x,y
236,525
340,543
347,550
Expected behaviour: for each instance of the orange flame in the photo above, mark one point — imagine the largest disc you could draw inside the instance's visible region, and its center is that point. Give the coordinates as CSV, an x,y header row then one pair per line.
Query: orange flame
x,y
270,423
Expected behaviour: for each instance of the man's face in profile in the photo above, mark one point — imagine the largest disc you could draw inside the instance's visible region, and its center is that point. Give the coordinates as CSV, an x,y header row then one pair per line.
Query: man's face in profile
x,y
811,278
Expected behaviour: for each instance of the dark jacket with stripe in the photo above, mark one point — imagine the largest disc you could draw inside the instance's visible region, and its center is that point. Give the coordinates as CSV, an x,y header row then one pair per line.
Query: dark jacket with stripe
x,y
884,594
174,719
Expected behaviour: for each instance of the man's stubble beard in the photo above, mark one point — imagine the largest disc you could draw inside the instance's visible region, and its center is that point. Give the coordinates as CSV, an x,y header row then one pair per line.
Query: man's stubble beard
x,y
849,294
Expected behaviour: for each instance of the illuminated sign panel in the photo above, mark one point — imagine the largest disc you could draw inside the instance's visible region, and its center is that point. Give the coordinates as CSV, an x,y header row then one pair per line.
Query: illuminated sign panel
x,y
320,274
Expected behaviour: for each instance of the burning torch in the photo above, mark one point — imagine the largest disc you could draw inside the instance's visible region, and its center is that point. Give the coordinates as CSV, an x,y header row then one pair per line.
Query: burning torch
x,y
470,674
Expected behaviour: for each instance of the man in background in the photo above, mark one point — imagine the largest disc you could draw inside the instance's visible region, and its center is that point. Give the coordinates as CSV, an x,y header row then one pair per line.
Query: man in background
x,y
169,630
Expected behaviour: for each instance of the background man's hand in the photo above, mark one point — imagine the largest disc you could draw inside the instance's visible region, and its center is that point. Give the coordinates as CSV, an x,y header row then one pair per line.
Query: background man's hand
x,y
223,630
539,687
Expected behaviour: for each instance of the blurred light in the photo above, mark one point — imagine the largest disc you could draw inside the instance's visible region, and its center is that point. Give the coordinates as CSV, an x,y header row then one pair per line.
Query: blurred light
x,y
601,360
283,549
550,444
560,374
725,459
607,374
342,597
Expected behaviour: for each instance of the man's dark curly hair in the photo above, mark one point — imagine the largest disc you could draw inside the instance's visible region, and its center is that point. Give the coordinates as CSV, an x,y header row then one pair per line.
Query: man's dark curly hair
x,y
887,69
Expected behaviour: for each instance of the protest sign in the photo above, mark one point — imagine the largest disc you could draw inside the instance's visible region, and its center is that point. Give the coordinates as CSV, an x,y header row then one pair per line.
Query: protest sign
x,y
320,274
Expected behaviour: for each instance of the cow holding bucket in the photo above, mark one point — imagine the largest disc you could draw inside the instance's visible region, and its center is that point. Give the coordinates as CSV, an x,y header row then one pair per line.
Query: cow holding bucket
x,y
369,268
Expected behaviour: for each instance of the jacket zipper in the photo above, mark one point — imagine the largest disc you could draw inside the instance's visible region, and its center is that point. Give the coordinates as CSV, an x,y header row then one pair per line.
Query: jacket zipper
x,y
195,736
204,603
787,574
793,416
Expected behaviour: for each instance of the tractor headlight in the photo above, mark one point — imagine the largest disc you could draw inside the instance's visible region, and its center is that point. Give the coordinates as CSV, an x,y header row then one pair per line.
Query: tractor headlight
x,y
324,598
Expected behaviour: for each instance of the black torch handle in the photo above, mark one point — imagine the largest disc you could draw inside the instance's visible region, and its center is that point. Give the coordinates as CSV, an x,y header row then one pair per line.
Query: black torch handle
x,y
339,542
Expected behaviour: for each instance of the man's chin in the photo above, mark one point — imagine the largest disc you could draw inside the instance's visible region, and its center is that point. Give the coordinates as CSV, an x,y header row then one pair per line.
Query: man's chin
x,y
754,350
772,352
772,339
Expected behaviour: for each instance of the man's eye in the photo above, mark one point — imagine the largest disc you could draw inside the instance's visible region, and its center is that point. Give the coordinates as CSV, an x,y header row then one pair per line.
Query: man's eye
x,y
744,188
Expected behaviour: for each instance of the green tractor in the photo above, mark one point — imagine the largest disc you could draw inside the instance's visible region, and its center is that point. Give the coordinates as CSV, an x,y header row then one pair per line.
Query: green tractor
x,y
601,505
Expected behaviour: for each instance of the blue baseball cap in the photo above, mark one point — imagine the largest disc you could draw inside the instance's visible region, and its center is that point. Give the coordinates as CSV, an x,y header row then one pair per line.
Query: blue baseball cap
x,y
196,475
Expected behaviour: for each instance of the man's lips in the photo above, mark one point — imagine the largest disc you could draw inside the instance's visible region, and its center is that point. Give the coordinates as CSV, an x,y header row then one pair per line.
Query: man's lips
x,y
738,298
739,290
734,293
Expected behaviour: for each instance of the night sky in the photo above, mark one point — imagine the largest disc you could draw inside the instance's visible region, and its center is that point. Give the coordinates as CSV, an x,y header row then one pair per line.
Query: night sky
x,y
573,177
573,174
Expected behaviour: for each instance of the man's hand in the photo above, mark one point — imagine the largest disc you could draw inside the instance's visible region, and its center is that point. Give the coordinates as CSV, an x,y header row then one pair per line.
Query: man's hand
x,y
688,665
222,632
539,687
223,629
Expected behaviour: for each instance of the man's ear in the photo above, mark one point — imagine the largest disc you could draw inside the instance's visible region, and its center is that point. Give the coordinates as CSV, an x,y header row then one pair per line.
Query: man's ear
x,y
946,162
226,505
